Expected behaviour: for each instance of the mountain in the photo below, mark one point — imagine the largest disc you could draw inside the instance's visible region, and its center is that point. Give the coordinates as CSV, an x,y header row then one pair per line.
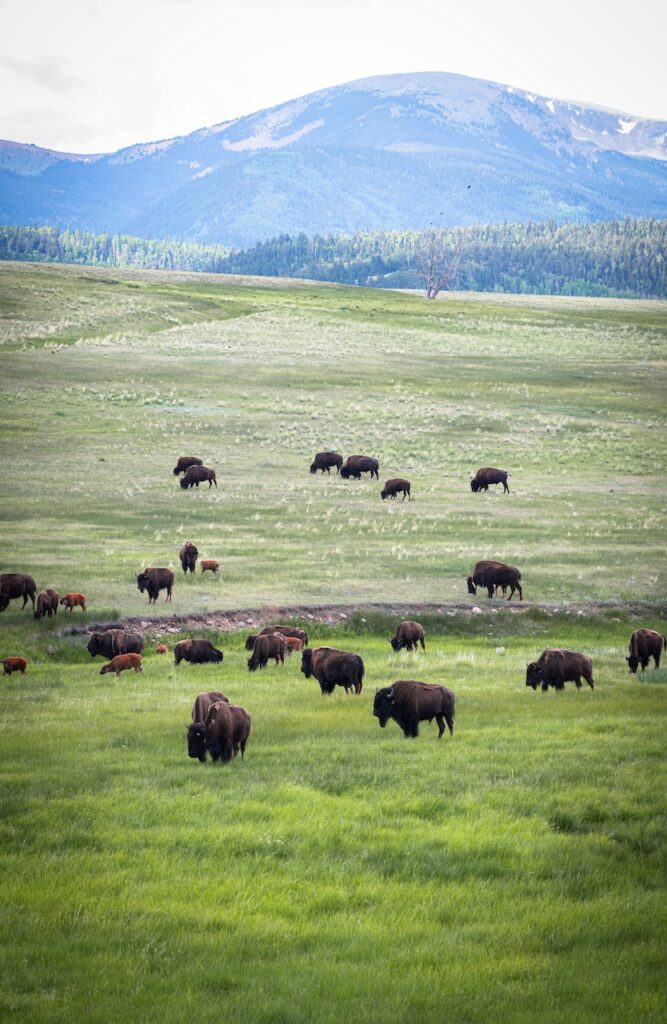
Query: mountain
x,y
398,151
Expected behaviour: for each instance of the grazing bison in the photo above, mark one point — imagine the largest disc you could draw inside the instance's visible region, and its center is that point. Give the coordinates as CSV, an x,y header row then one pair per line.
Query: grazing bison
x,y
286,631
555,667
492,574
209,565
410,702
185,462
47,603
355,465
16,584
73,601
196,731
14,664
198,652
115,641
219,729
161,649
325,460
333,668
153,580
394,487
271,645
489,475
294,643
196,475
645,644
121,663
188,556
408,635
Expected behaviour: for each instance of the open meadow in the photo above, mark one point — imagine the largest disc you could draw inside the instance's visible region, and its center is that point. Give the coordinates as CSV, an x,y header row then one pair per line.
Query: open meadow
x,y
511,872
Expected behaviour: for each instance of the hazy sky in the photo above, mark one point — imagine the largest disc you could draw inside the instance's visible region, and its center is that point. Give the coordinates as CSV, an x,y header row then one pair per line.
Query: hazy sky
x,y
95,75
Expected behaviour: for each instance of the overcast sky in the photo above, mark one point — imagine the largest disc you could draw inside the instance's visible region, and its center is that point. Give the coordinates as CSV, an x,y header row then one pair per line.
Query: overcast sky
x,y
92,76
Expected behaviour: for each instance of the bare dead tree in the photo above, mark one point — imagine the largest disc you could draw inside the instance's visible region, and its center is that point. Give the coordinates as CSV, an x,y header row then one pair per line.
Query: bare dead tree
x,y
438,258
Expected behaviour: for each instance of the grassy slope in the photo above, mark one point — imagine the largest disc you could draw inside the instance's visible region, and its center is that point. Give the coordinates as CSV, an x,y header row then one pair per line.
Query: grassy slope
x,y
511,872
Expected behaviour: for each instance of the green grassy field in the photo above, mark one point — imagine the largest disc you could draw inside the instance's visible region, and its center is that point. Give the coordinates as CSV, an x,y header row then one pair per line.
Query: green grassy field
x,y
511,873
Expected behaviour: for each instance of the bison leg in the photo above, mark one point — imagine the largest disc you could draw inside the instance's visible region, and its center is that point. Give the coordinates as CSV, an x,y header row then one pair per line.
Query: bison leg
x,y
441,725
490,587
423,644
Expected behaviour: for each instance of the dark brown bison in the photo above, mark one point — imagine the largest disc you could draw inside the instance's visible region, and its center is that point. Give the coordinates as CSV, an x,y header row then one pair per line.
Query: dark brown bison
x,y
555,667
241,728
196,731
16,584
333,668
271,645
113,642
492,574
185,462
286,631
325,460
198,652
489,475
188,556
410,702
645,644
394,487
355,465
408,635
15,664
219,730
153,580
196,475
47,603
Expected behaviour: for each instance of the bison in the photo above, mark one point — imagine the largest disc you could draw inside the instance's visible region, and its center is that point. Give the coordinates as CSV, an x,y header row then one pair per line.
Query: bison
x,y
73,601
209,565
188,556
271,645
47,603
489,475
325,460
408,635
121,663
556,667
16,584
161,649
14,664
410,702
490,574
113,642
198,652
219,731
394,487
196,731
196,475
355,465
645,644
154,579
184,463
286,631
294,643
333,668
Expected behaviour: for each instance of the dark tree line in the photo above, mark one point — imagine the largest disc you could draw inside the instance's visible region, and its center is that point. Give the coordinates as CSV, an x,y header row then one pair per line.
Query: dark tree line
x,y
625,258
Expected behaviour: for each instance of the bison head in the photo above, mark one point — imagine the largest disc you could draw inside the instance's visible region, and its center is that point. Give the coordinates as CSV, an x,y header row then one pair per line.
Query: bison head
x,y
395,643
96,644
533,676
250,643
313,467
474,486
384,493
344,472
216,655
142,582
184,482
633,663
307,662
197,744
472,587
383,705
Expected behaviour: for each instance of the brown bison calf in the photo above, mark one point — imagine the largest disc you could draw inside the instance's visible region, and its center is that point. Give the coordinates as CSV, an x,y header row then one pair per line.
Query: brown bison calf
x,y
408,635
15,665
555,667
293,643
73,601
489,475
209,565
285,631
394,487
47,603
121,663
271,645
410,702
162,649
645,644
